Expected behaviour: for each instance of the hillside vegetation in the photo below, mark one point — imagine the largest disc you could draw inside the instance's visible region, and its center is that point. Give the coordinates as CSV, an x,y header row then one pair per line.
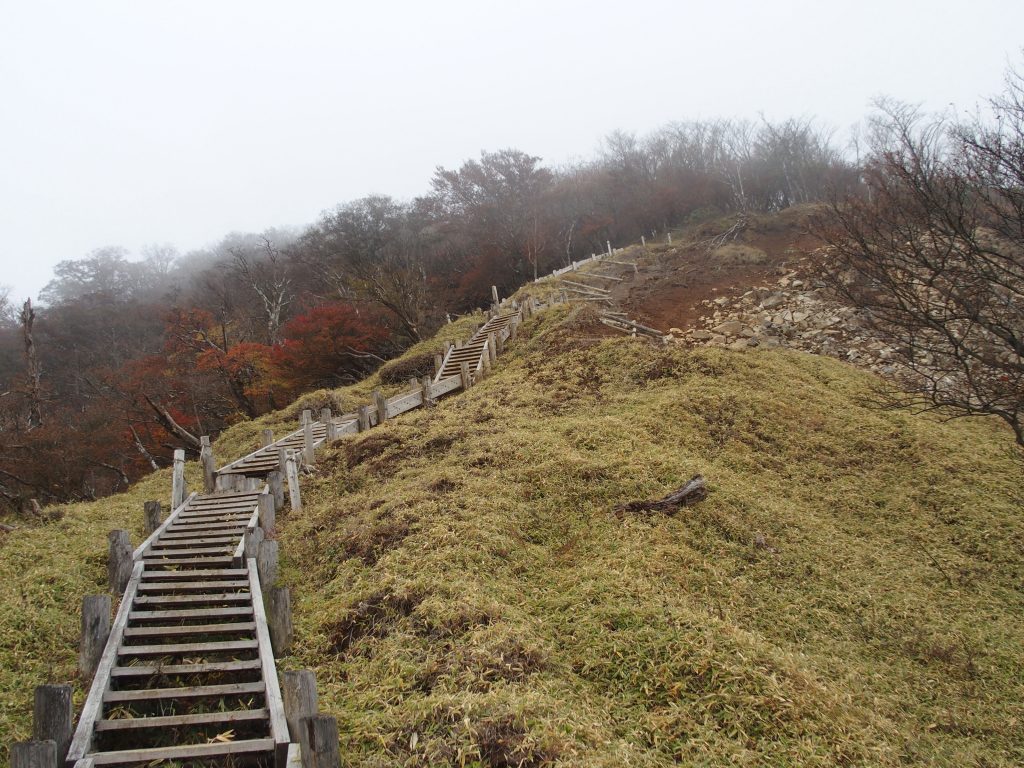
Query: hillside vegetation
x,y
849,593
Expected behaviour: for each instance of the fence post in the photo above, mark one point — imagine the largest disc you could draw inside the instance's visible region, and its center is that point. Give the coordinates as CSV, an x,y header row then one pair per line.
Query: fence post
x,y
438,362
307,442
324,744
34,754
208,462
268,518
279,619
119,561
178,479
464,373
669,237
381,404
151,516
292,471
275,480
95,631
266,562
266,438
492,346
306,417
494,294
364,418
298,689
253,539
425,384
52,718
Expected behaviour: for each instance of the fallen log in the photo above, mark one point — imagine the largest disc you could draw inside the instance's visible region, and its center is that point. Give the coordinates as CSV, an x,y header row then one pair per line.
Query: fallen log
x,y
693,491
637,326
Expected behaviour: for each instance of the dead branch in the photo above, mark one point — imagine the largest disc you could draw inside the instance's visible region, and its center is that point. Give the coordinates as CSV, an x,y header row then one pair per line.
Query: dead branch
x,y
168,423
693,491
142,449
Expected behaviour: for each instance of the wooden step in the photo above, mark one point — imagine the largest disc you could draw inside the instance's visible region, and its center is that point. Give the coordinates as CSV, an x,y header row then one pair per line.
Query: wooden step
x,y
188,586
199,668
152,562
192,575
192,629
220,597
176,649
193,613
207,541
185,531
196,552
184,752
174,721
194,692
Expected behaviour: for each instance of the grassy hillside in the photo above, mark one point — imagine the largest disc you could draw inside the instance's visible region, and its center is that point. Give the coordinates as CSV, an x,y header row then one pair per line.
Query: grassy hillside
x,y
849,593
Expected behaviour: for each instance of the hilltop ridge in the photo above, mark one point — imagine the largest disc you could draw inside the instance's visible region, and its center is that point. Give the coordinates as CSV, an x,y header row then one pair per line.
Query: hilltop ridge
x,y
848,593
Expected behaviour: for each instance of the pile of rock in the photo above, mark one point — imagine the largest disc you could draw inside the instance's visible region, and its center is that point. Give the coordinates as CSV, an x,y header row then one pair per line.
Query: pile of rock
x,y
797,313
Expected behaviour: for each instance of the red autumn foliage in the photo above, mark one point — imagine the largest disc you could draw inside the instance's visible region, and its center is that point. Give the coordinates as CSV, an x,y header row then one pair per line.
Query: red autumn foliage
x,y
328,345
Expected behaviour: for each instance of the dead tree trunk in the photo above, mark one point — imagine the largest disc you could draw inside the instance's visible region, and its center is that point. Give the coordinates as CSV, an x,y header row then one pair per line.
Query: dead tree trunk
x,y
35,414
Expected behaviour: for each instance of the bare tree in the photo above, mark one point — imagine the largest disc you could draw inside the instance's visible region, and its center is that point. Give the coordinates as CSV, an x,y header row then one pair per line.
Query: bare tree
x,y
935,254
268,278
32,368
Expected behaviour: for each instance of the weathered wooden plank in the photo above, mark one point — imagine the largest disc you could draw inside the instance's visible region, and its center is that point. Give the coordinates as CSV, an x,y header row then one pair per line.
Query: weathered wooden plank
x,y
176,649
95,632
214,749
274,702
191,613
162,600
169,670
195,692
175,721
226,627
183,586
223,573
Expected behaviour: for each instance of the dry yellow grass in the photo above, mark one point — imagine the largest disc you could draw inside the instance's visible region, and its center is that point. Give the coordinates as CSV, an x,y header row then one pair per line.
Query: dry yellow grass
x,y
467,598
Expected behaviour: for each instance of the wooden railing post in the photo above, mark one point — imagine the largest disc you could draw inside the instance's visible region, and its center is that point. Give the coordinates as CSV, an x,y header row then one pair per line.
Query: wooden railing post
x,y
300,702
34,754
178,479
464,373
52,718
268,516
438,362
266,562
151,516
119,561
307,442
381,404
209,464
266,438
292,472
324,744
492,346
253,539
279,619
364,418
95,631
275,480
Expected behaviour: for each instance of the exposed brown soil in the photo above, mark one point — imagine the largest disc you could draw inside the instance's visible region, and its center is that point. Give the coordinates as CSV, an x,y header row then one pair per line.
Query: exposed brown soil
x,y
671,281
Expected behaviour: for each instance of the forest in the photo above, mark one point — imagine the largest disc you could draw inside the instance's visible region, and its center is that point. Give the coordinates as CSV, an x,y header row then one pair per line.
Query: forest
x,y
126,357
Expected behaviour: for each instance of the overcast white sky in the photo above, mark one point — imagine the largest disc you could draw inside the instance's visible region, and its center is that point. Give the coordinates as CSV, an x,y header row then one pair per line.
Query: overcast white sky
x,y
135,122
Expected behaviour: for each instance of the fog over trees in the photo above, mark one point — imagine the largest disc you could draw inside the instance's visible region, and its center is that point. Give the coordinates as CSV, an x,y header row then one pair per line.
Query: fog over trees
x,y
128,346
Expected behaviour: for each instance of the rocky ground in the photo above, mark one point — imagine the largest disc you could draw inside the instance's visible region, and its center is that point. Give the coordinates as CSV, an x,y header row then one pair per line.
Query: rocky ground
x,y
792,311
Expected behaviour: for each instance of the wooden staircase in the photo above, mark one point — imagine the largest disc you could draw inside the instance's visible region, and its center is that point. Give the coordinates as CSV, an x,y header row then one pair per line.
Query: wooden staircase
x,y
188,675
474,350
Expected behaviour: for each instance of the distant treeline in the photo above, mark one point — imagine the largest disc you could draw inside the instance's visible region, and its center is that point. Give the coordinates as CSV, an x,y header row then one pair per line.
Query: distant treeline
x,y
129,356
